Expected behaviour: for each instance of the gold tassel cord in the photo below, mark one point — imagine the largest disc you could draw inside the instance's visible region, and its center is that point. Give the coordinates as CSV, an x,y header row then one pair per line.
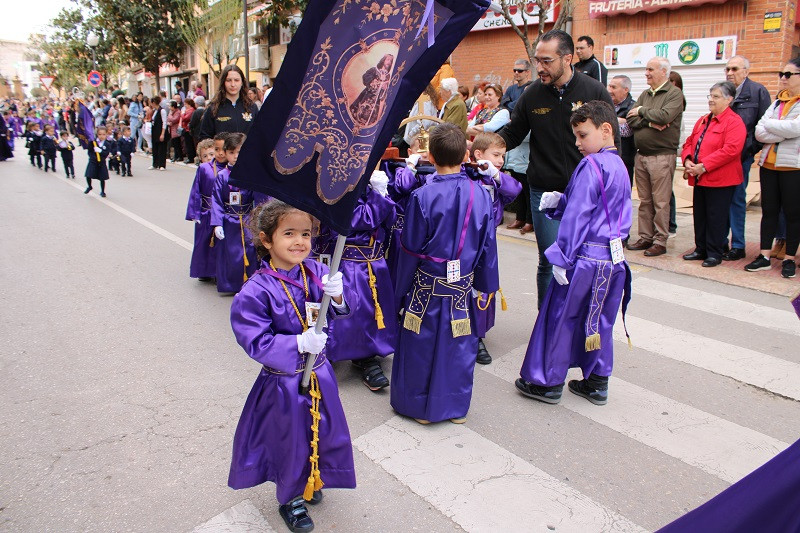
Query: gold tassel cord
x,y
244,247
211,243
374,286
488,301
503,303
314,482
592,342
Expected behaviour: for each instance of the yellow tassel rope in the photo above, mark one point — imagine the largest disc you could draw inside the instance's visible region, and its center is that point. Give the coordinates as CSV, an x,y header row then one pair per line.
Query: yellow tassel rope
x,y
244,247
412,322
374,286
461,327
592,342
503,304
488,301
211,242
314,481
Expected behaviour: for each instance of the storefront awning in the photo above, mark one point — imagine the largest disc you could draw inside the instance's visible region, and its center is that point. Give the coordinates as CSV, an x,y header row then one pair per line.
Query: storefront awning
x,y
610,8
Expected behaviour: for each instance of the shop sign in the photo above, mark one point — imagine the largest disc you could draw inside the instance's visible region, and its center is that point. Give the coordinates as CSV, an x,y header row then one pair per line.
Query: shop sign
x,y
608,8
772,21
492,21
709,51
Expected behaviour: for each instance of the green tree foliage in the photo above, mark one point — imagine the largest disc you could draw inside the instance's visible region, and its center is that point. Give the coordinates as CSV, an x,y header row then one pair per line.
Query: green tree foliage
x,y
210,29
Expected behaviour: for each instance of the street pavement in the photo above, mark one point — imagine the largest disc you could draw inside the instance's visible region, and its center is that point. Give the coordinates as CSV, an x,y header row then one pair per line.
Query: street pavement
x,y
123,385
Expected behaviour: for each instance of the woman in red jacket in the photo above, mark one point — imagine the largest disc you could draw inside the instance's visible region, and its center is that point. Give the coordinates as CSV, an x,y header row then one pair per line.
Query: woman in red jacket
x,y
174,123
712,158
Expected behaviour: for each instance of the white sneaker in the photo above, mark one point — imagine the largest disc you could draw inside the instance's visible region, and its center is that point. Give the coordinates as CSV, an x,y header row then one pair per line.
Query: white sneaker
x,y
151,167
162,169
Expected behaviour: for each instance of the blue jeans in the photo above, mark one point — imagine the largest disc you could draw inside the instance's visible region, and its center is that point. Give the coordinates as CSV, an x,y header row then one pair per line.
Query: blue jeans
x,y
739,207
546,231
134,128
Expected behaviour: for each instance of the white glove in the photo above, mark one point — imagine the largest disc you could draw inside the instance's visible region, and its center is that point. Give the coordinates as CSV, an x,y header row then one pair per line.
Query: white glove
x,y
560,275
311,342
413,159
549,200
98,150
490,170
219,233
197,221
333,285
380,182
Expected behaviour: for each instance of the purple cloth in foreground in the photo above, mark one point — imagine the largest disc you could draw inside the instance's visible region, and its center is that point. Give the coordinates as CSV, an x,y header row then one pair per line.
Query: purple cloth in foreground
x,y
274,431
766,500
432,371
204,257
558,341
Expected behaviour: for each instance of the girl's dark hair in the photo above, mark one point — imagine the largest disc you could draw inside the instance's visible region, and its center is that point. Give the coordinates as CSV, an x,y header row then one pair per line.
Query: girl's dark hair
x,y
266,217
234,141
155,100
222,95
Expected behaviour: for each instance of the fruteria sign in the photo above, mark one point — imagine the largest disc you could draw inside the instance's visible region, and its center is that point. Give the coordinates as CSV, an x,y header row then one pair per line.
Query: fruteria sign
x,y
609,8
492,21
709,51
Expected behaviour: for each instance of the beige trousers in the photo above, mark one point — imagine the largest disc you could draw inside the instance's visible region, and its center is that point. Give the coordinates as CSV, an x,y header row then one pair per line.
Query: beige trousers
x,y
654,175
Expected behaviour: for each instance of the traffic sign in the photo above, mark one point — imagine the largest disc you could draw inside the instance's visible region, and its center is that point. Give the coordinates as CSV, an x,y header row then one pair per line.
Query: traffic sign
x,y
95,78
47,81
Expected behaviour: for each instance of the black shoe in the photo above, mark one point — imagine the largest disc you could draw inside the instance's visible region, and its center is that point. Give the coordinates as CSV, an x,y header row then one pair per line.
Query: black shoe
x,y
694,256
296,516
484,358
87,190
372,373
712,262
102,195
316,498
788,268
760,263
130,175
734,254
551,395
584,388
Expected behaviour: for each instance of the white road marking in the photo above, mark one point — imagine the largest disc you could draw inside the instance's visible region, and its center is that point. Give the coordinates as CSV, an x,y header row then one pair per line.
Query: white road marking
x,y
241,518
716,446
468,478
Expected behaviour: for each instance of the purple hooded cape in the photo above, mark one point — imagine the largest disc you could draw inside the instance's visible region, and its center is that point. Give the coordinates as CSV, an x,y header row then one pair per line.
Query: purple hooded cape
x,y
204,257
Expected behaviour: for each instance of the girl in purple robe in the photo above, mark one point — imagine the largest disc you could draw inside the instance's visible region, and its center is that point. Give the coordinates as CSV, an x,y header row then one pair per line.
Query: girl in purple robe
x,y
371,329
203,265
449,248
230,206
575,324
297,442
489,150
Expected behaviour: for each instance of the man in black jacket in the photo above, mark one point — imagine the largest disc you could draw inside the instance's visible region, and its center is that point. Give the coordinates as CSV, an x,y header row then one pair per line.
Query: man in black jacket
x,y
620,90
544,110
589,64
751,101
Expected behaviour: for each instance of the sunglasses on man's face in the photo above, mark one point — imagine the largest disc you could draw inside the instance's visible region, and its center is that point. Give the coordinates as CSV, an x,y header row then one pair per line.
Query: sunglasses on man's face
x,y
787,75
520,70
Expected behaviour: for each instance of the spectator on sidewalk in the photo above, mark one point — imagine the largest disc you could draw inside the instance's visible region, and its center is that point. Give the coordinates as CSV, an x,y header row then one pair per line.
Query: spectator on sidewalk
x,y
174,123
454,110
655,120
444,72
751,102
492,117
231,110
197,116
620,90
712,158
676,80
589,64
187,142
522,78
475,102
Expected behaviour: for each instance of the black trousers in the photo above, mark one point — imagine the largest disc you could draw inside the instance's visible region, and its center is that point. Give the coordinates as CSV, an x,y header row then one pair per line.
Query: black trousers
x,y
159,153
524,201
36,160
102,184
177,151
49,162
68,168
780,189
712,206
188,146
125,163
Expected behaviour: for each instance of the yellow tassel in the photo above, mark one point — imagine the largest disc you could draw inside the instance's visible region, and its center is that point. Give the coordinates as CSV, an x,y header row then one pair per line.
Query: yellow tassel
x,y
593,342
244,246
211,243
503,304
314,481
488,300
630,344
461,327
374,286
412,322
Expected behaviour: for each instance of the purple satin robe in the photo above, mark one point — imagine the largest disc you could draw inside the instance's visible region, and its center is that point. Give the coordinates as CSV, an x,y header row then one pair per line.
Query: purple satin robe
x,y
358,336
231,251
432,371
274,431
204,257
558,341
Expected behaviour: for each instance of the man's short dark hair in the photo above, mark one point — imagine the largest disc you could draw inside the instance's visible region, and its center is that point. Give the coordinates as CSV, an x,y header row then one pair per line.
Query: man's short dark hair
x,y
448,145
565,44
597,112
588,40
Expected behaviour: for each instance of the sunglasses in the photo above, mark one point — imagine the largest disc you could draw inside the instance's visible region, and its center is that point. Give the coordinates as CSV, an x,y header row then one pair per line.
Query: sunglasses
x,y
787,75
731,69
520,70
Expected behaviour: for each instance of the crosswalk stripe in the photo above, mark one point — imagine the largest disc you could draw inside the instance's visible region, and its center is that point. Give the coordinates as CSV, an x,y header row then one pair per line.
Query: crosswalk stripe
x,y
724,306
716,446
243,517
469,478
745,365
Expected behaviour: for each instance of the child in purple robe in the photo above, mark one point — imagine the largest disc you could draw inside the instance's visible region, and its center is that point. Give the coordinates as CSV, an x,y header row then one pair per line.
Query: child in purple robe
x,y
449,247
489,150
203,263
371,330
230,206
576,321
297,442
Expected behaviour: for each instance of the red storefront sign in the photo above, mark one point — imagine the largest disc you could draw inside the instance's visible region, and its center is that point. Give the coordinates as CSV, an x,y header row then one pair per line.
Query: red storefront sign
x,y
609,8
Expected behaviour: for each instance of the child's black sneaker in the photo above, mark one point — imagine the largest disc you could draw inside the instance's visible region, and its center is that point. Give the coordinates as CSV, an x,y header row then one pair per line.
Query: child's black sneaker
x,y
483,358
788,268
594,389
551,395
760,263
296,516
372,373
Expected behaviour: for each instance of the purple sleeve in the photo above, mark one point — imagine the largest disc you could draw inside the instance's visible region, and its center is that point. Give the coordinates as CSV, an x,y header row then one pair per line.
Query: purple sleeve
x,y
195,201
371,212
486,270
508,189
405,181
217,206
580,201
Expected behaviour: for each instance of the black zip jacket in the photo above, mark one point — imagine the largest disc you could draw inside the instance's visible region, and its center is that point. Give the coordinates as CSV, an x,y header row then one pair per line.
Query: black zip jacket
x,y
229,118
750,105
545,113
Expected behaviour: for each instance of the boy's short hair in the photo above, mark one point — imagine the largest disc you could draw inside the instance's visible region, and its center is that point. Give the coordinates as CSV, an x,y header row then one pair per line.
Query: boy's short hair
x,y
65,134
597,112
126,128
221,136
103,128
205,144
448,145
483,141
234,141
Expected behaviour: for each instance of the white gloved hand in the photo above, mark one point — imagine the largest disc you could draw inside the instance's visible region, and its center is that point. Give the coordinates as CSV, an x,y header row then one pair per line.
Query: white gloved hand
x,y
311,342
413,160
119,153
550,200
197,221
219,233
333,285
476,293
560,275
98,150
490,170
380,182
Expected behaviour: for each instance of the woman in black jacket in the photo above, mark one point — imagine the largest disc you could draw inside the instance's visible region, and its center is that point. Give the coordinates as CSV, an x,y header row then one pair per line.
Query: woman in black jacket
x,y
159,135
231,110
